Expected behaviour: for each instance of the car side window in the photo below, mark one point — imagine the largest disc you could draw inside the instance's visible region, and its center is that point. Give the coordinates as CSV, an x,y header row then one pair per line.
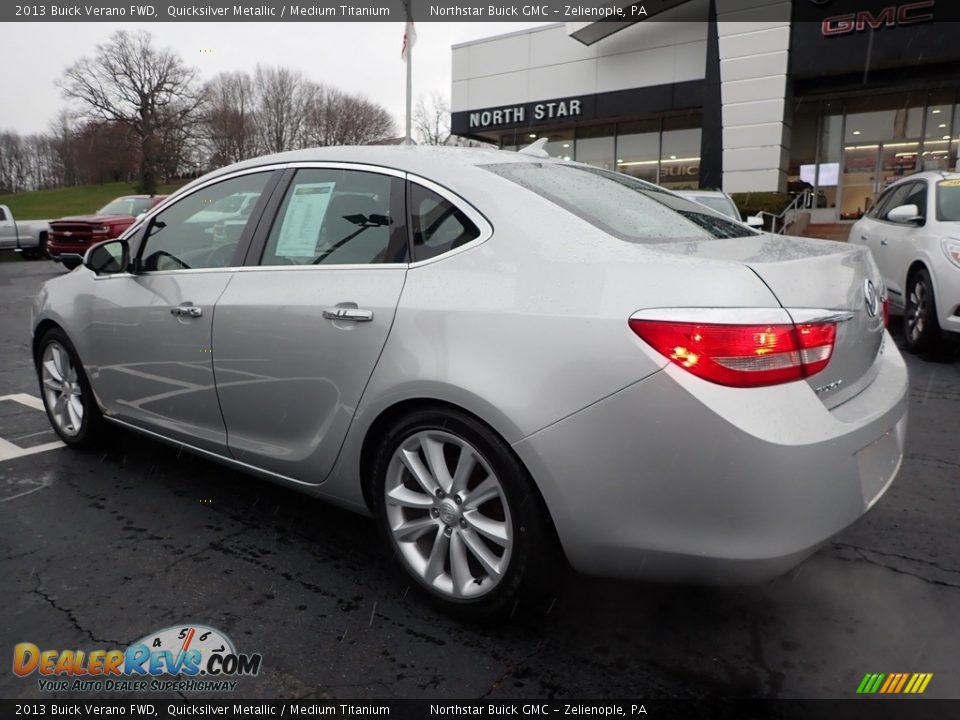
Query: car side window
x,y
917,196
203,229
338,217
437,224
877,211
3,215
896,199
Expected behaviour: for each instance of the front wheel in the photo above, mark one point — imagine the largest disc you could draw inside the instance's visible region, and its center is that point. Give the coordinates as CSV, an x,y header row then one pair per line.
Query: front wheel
x,y
921,329
67,397
462,515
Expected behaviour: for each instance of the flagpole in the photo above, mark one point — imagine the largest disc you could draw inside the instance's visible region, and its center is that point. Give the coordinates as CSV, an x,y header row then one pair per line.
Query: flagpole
x,y
409,48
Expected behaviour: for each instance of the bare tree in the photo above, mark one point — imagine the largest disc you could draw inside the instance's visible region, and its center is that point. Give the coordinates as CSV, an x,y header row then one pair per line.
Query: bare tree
x,y
431,120
229,118
282,97
131,82
62,137
335,117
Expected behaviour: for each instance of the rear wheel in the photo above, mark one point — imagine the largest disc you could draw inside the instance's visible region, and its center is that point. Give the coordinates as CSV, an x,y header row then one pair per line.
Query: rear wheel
x,y
67,397
921,329
462,515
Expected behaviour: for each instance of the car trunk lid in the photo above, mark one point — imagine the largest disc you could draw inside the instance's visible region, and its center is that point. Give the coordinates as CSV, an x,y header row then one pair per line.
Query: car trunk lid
x,y
815,279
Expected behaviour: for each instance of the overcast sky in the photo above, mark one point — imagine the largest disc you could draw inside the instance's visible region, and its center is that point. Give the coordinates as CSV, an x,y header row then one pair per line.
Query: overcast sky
x,y
358,57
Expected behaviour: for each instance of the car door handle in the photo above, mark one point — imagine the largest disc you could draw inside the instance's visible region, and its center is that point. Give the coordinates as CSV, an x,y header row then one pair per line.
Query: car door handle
x,y
186,311
354,314
884,242
864,237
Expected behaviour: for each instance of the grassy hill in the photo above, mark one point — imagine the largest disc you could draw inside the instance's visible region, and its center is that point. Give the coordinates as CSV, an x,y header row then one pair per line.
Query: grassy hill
x,y
80,200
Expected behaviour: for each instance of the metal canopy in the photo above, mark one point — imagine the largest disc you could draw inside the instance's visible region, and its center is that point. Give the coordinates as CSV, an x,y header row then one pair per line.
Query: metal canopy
x,y
589,33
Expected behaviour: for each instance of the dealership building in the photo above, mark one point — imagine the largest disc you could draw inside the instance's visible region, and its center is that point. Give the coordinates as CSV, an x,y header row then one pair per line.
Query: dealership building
x,y
838,97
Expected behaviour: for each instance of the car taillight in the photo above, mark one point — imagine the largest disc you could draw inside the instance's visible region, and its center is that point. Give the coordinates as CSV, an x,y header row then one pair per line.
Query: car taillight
x,y
742,355
886,311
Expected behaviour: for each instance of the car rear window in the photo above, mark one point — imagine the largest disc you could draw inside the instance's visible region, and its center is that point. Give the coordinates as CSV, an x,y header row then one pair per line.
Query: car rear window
x,y
720,204
621,205
948,200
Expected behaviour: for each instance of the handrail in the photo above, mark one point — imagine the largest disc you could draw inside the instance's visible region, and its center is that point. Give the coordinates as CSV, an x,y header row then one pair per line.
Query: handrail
x,y
789,215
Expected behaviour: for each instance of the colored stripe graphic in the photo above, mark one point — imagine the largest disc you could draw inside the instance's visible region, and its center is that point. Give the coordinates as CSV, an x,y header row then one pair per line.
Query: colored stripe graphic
x,y
894,683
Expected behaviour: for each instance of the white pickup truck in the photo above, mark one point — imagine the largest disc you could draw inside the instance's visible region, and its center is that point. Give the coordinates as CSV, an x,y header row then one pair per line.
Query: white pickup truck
x,y
28,237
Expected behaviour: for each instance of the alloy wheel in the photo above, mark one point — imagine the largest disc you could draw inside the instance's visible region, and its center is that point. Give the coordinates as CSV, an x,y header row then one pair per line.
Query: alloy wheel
x,y
448,515
62,390
918,307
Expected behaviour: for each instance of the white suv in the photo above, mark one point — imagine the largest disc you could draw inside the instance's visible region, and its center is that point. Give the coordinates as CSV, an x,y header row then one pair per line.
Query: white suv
x,y
913,231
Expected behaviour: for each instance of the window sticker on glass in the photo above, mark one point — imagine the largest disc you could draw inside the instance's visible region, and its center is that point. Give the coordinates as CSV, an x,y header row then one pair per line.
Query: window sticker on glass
x,y
949,183
301,225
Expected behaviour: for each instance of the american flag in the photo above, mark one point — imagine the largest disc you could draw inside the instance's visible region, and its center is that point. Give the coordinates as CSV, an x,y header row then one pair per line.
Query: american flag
x,y
409,39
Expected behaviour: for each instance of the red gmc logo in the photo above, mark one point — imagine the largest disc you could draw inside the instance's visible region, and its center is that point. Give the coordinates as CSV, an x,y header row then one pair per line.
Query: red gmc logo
x,y
909,14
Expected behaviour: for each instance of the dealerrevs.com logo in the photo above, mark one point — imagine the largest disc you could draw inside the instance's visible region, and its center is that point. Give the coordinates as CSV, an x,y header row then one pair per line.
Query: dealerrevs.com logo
x,y
181,658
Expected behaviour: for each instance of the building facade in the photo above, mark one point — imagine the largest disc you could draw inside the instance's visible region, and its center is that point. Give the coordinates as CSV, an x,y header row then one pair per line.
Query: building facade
x,y
838,97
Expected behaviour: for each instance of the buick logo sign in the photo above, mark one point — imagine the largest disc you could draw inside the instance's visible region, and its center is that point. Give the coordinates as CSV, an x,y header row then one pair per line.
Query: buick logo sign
x,y
871,297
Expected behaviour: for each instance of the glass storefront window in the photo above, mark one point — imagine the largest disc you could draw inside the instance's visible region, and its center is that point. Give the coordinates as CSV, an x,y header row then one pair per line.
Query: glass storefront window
x,y
831,151
559,144
938,136
802,172
954,161
680,158
897,124
638,149
595,146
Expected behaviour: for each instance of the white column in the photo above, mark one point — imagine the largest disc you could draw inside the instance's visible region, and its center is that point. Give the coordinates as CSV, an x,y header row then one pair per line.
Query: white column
x,y
754,56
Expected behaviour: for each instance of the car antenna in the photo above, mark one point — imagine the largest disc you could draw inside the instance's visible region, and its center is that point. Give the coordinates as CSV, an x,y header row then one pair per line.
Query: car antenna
x,y
536,148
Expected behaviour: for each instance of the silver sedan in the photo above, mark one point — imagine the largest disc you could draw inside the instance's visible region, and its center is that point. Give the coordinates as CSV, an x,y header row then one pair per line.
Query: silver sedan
x,y
511,362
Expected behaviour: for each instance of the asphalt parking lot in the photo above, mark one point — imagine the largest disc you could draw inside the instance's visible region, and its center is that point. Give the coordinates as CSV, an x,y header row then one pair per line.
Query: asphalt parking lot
x,y
98,549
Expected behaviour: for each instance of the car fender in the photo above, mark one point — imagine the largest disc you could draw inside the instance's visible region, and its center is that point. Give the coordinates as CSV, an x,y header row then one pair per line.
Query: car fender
x,y
344,485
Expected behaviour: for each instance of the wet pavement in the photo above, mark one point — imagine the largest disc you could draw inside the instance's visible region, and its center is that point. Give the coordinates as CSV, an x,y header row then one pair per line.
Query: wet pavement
x,y
99,549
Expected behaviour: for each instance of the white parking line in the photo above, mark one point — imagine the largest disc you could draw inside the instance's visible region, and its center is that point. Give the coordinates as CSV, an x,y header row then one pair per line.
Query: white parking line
x,y
9,451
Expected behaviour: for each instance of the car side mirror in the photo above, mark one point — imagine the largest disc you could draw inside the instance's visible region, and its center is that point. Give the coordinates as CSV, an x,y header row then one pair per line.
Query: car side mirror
x,y
755,221
108,258
905,215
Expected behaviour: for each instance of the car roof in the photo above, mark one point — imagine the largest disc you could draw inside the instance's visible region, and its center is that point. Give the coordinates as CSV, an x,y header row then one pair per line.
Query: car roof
x,y
926,175
433,162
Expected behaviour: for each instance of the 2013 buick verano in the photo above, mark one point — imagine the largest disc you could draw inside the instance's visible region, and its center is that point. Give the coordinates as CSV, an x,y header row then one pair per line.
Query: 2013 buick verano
x,y
495,354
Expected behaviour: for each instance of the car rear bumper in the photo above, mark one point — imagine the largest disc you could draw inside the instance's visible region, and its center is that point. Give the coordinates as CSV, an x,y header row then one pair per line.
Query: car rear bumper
x,y
675,478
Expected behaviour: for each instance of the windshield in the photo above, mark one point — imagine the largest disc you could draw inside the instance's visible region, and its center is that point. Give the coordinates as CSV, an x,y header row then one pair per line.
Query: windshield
x,y
125,206
621,205
948,201
718,203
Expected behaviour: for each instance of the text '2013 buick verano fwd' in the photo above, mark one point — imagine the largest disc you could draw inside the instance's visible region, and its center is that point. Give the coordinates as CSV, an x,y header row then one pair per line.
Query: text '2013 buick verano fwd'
x,y
495,354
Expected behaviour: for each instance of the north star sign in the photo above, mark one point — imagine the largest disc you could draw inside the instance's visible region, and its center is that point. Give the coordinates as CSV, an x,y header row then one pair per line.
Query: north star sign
x,y
513,114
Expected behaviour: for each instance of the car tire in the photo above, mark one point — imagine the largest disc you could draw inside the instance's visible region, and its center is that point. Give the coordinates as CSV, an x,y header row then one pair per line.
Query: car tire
x,y
921,329
478,543
67,396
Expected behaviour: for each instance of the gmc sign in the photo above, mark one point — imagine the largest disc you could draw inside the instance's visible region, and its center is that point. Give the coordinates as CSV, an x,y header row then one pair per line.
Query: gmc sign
x,y
893,16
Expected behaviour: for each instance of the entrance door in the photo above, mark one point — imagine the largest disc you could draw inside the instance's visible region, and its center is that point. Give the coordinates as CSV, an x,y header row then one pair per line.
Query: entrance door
x,y
869,168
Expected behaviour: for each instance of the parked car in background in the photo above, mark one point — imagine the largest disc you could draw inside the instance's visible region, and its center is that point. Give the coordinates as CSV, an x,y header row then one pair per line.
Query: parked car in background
x,y
496,355
913,231
27,237
722,203
74,235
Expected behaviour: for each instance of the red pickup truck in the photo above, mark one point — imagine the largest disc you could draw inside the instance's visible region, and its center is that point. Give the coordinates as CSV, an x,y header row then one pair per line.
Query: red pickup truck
x,y
73,235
